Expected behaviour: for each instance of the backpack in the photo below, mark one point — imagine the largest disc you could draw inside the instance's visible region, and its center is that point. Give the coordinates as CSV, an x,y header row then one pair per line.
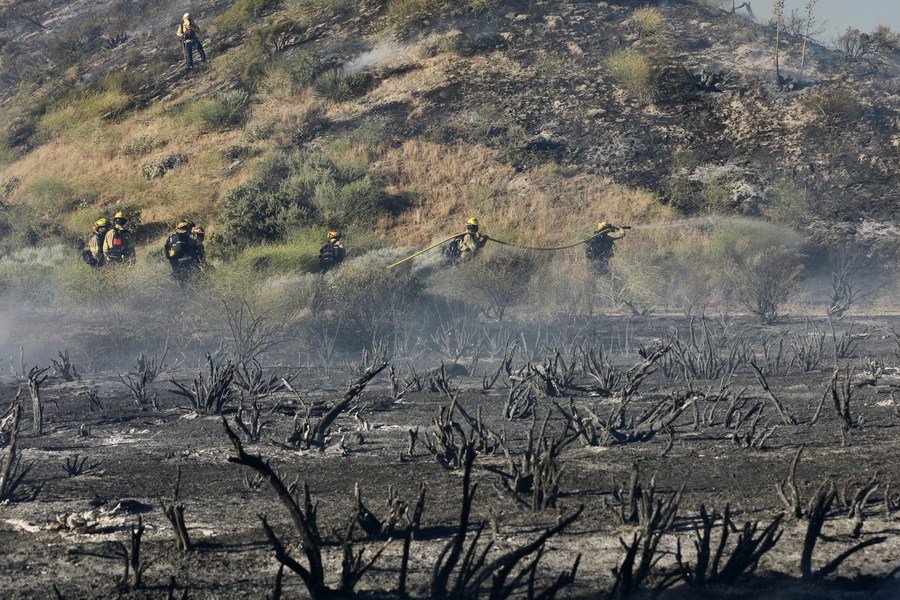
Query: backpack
x,y
180,246
117,247
453,252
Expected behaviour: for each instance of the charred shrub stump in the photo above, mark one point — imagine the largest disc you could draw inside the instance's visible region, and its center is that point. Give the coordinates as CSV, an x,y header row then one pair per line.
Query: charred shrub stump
x,y
532,478
64,367
36,379
212,394
137,387
75,466
174,512
452,579
133,577
719,563
309,434
402,518
639,505
13,469
819,510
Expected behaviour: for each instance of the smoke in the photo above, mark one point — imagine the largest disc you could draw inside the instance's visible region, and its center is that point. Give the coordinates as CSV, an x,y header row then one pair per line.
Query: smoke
x,y
385,52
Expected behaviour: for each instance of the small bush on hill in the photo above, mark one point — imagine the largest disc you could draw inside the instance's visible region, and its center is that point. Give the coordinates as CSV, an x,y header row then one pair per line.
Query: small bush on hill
x,y
492,284
633,71
159,166
49,193
225,111
78,114
337,86
141,144
358,202
833,106
245,66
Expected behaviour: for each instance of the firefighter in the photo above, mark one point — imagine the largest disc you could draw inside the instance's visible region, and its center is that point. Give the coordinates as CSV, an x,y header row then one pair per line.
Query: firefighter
x,y
190,40
333,252
183,252
93,249
118,247
465,247
199,235
600,247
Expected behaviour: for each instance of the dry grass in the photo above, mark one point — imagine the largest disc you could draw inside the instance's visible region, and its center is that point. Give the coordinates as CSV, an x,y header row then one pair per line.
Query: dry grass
x,y
448,183
647,21
633,71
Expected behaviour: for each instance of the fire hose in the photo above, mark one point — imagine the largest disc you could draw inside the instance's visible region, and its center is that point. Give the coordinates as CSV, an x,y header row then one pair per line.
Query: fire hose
x,y
502,243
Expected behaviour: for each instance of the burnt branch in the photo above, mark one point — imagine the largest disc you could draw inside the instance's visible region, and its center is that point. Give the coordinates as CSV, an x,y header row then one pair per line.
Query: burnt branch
x,y
174,512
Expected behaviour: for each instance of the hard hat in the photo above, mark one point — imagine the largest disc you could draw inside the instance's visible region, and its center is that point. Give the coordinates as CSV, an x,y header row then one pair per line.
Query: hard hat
x,y
186,16
119,215
472,221
182,225
602,225
102,222
333,235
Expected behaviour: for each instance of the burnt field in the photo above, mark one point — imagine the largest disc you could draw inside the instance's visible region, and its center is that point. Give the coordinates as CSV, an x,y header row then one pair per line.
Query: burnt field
x,y
618,457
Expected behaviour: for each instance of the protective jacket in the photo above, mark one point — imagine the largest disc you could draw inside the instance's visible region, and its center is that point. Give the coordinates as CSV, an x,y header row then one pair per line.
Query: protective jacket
x,y
470,244
93,249
331,254
188,30
183,252
118,247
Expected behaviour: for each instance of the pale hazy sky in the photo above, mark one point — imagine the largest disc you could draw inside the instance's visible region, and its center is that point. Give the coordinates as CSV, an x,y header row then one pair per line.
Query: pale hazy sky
x,y
840,14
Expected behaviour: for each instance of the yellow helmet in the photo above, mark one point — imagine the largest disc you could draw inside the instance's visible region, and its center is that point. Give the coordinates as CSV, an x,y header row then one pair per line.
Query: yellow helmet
x,y
182,225
102,222
119,215
472,221
333,235
603,225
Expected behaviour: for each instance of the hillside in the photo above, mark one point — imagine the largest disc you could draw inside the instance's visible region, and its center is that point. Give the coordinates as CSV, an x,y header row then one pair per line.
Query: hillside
x,y
412,114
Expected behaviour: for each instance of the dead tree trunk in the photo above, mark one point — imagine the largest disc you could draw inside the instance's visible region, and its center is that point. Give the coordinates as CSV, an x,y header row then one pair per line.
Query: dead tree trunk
x,y
36,378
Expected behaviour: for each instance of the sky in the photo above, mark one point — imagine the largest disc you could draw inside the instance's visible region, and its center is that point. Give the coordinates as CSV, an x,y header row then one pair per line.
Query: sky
x,y
840,14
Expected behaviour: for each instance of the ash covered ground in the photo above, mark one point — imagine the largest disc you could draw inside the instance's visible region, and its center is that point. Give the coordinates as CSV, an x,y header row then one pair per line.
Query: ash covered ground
x,y
603,444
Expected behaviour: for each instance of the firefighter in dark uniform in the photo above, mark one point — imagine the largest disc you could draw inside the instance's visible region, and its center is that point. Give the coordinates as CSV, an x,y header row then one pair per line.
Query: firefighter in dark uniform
x,y
183,253
599,248
333,252
93,248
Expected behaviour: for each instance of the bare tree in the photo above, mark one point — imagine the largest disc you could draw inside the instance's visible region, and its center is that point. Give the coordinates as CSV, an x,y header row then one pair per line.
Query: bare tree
x,y
810,4
779,20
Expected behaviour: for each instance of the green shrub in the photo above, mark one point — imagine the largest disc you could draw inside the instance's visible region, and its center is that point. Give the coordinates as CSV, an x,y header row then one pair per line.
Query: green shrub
x,y
358,202
633,71
243,11
299,254
337,86
225,111
295,190
245,65
78,114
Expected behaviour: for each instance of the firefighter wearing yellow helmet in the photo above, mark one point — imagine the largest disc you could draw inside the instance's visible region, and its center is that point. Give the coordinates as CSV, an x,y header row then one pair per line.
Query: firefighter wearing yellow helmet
x,y
93,248
600,247
333,252
118,245
184,252
466,247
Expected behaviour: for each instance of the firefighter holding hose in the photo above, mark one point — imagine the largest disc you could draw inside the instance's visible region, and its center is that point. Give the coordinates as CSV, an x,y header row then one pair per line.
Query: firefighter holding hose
x,y
465,247
599,248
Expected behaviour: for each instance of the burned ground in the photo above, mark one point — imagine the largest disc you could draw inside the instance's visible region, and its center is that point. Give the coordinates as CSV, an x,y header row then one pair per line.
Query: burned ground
x,y
689,412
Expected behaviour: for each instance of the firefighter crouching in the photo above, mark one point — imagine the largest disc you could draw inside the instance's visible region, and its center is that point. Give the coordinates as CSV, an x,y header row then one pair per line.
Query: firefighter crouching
x,y
118,245
333,252
467,246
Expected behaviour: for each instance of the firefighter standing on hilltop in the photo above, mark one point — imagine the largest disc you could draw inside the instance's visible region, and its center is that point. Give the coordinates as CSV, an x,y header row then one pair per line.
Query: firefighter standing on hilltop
x,y
465,247
190,40
600,247
93,249
183,252
118,247
333,252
